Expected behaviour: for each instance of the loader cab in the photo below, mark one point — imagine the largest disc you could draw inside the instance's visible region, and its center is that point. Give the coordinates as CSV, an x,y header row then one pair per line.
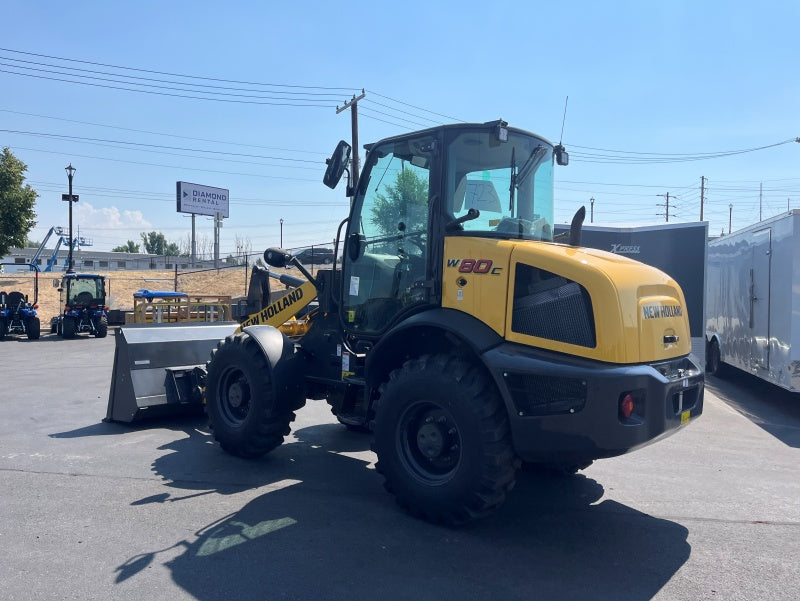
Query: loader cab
x,y
481,180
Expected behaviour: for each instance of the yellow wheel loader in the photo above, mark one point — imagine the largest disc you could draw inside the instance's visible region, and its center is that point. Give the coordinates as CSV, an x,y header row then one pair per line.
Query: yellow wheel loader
x,y
458,331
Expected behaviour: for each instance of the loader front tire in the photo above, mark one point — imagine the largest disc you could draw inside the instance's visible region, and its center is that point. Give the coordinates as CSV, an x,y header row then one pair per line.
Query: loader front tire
x,y
245,417
443,440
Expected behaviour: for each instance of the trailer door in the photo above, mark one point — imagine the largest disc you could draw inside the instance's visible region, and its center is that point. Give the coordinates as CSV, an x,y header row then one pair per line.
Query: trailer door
x,y
760,298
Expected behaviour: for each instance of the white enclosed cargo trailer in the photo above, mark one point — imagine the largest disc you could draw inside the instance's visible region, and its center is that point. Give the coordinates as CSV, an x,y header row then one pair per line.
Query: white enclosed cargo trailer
x,y
753,301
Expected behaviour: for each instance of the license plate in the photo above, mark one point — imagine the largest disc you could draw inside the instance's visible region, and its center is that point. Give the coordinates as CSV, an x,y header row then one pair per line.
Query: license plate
x,y
685,417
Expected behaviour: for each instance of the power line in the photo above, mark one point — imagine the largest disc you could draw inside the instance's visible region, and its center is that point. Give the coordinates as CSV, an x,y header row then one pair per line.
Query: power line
x,y
126,143
207,170
79,73
229,100
639,158
204,78
155,133
414,106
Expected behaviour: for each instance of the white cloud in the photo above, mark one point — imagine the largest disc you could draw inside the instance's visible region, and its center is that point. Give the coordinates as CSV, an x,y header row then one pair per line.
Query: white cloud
x,y
108,218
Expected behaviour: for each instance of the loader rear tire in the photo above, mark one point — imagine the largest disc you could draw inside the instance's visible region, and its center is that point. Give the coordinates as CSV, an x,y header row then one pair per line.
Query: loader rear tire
x,y
245,417
3,327
443,440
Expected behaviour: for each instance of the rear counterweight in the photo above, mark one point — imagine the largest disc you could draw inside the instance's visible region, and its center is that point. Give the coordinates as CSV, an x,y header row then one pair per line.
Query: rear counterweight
x,y
566,409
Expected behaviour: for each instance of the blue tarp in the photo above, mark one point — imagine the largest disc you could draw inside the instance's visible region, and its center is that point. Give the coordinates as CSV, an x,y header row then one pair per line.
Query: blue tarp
x,y
151,294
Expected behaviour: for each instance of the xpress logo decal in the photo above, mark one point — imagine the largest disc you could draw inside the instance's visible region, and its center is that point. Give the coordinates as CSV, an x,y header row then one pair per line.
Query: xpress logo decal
x,y
479,266
625,249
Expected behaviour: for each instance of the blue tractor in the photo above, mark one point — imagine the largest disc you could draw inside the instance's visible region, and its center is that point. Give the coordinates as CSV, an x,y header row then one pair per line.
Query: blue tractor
x,y
83,297
18,313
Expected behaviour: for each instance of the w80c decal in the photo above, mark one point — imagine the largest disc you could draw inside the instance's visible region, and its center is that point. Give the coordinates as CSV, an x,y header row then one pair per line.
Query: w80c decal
x,y
478,266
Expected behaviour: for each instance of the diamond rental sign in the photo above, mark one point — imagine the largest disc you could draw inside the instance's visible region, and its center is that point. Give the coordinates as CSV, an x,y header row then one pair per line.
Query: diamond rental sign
x,y
202,200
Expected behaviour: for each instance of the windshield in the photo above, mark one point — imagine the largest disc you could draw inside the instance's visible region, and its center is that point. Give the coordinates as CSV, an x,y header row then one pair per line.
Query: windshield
x,y
510,183
85,291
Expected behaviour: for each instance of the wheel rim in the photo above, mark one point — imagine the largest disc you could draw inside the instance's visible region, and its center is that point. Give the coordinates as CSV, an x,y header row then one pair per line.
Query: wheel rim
x,y
429,442
234,397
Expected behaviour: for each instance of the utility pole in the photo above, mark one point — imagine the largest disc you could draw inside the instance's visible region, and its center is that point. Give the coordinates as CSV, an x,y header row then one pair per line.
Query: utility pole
x,y
702,194
666,204
352,104
591,210
760,198
730,217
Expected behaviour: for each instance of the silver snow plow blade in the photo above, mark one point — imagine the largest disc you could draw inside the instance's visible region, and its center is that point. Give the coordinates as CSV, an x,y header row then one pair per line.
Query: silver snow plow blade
x,y
157,368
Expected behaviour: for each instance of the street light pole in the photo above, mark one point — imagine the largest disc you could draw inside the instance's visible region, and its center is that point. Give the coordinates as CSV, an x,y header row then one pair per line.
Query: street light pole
x,y
281,232
70,171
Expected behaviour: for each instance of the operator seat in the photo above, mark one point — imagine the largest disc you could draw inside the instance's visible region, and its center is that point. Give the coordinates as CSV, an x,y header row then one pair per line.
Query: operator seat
x,y
14,301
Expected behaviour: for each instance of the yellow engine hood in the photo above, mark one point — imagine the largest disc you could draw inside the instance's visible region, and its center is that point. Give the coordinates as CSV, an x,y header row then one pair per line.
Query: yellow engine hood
x,y
639,312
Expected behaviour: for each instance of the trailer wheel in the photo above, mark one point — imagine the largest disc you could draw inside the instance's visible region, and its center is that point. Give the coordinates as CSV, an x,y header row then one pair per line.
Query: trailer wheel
x,y
245,417
101,327
33,328
713,357
443,440
69,327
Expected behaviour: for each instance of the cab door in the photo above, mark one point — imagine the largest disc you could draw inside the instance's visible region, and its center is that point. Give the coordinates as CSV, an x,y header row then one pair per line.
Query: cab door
x,y
386,259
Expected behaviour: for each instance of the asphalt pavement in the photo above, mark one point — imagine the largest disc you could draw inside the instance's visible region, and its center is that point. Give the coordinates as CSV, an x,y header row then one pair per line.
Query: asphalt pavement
x,y
92,510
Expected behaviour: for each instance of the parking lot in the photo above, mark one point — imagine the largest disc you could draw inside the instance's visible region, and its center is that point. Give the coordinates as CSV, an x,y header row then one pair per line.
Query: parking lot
x,y
91,510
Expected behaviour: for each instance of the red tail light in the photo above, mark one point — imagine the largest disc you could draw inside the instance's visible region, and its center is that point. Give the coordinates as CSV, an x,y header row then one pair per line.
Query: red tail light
x,y
626,406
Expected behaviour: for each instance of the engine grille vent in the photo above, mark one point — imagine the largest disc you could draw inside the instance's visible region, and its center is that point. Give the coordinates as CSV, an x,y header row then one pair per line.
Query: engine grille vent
x,y
552,307
535,394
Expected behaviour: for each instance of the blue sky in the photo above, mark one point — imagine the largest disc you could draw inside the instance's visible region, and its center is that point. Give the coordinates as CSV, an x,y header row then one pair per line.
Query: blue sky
x,y
673,80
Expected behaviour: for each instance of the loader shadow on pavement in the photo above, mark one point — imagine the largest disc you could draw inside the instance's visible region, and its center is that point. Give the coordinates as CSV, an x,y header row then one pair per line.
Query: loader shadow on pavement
x,y
770,407
184,423
326,529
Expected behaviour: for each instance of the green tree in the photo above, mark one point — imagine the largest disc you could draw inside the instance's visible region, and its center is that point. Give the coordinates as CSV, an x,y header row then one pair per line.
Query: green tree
x,y
129,247
17,217
405,201
155,243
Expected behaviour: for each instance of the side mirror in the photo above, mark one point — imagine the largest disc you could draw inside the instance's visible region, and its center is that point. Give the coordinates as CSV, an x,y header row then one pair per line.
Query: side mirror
x,y
562,156
56,283
337,164
355,246
276,257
